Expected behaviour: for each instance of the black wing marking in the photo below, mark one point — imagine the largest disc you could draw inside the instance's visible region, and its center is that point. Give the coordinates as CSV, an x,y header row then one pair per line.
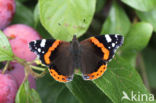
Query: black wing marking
x,y
40,47
112,42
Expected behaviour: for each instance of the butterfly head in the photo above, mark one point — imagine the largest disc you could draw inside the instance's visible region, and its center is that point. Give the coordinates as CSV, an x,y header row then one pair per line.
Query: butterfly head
x,y
74,37
75,43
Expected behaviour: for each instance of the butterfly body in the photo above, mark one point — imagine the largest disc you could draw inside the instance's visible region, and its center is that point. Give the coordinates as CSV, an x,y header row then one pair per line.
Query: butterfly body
x,y
90,55
75,52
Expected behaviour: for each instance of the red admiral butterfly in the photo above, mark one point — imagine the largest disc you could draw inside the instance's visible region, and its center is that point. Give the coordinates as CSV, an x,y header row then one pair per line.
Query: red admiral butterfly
x,y
90,55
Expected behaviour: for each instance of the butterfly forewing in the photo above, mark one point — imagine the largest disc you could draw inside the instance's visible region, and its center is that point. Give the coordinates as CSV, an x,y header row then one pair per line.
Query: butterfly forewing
x,y
40,47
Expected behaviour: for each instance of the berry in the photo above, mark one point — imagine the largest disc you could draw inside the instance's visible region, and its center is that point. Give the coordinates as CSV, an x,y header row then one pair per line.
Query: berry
x,y
7,10
8,88
17,71
19,36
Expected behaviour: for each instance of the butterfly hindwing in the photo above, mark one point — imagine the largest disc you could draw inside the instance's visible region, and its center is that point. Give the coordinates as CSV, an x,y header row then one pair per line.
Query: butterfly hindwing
x,y
54,54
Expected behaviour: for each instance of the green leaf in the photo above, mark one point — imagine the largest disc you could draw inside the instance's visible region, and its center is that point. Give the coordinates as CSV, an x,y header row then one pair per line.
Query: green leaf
x,y
41,30
5,48
100,5
121,77
35,96
52,91
136,39
117,21
23,15
141,5
21,0
149,56
149,16
37,24
86,91
36,15
66,97
64,18
27,95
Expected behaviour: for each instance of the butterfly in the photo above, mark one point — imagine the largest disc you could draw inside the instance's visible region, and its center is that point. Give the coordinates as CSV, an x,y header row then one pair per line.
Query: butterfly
x,y
90,55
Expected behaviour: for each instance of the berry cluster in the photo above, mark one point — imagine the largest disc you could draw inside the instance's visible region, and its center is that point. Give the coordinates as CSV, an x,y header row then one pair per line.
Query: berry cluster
x,y
19,35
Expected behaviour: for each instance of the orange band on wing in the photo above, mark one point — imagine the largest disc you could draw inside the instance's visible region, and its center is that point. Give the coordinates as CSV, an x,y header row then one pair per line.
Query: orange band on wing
x,y
56,76
48,53
100,45
98,73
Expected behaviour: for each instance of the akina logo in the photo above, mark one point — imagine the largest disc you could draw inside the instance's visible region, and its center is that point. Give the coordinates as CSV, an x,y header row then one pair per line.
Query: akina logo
x,y
137,96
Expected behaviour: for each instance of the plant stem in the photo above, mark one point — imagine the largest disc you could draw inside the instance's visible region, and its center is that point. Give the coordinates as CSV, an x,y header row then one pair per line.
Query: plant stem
x,y
6,67
26,73
36,75
28,68
19,60
37,68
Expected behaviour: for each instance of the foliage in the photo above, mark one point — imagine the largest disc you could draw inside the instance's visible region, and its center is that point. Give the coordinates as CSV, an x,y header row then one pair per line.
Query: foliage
x,y
61,19
71,17
27,95
5,49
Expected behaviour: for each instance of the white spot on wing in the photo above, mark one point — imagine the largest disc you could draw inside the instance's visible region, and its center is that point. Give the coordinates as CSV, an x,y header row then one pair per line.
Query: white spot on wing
x,y
43,43
34,41
108,38
42,51
116,35
109,47
39,50
113,44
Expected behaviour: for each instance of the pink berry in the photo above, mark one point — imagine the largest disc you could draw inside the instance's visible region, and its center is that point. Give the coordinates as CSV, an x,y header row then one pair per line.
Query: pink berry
x,y
8,88
18,72
7,10
19,37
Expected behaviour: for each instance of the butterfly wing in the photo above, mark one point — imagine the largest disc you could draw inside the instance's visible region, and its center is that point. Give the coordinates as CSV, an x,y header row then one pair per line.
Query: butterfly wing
x,y
56,55
108,44
96,52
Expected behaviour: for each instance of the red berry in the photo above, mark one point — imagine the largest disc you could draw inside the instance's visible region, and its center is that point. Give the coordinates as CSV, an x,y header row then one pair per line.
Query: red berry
x,y
18,72
19,37
8,88
7,10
